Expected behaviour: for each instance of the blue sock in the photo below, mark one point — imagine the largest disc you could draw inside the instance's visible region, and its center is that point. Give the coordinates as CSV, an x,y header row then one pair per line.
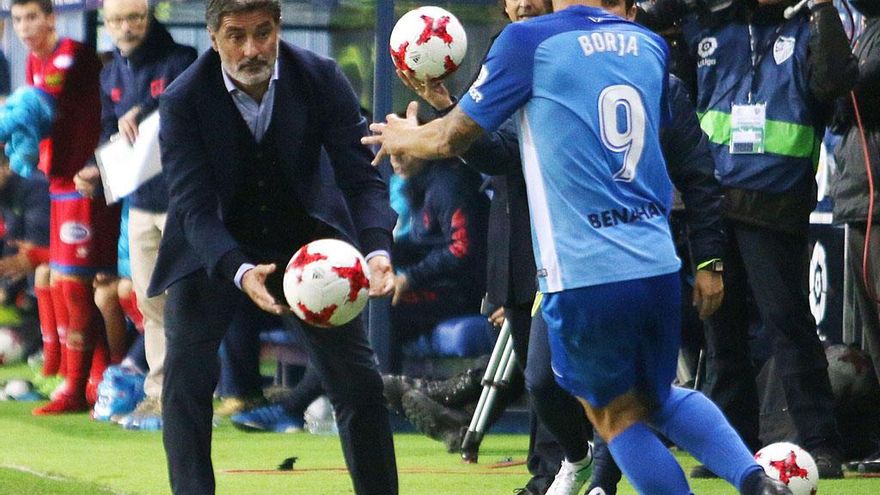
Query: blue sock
x,y
695,424
647,463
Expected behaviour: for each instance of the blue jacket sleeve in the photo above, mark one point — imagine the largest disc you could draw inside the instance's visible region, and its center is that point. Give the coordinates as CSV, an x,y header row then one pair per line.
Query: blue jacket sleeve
x,y
692,170
109,123
458,209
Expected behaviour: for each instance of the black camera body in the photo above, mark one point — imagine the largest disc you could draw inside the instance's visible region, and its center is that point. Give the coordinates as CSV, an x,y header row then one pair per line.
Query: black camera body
x,y
659,15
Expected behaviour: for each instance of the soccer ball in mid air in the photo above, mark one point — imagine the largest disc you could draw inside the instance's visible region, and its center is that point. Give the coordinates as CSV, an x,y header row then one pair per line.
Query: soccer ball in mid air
x,y
791,465
11,348
326,283
428,41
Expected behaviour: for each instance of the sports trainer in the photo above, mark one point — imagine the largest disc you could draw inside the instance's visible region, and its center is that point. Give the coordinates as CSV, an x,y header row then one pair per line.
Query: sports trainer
x,y
242,131
145,62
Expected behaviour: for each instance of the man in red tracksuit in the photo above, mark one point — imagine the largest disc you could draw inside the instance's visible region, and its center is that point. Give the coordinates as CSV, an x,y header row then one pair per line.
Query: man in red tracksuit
x,y
83,232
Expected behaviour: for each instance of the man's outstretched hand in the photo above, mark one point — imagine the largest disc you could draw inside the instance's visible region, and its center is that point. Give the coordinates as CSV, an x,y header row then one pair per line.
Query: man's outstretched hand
x,y
253,283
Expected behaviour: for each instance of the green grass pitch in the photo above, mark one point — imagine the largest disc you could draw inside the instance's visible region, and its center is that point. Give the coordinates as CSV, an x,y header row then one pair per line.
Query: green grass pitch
x,y
73,455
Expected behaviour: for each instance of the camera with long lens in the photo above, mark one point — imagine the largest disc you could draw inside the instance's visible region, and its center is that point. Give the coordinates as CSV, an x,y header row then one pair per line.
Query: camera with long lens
x,y
660,15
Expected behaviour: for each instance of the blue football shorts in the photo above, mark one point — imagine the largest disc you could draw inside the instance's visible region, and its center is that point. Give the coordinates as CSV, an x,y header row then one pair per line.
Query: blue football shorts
x,y
608,339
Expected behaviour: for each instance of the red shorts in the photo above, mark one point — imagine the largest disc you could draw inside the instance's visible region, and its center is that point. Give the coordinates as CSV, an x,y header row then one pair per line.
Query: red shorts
x,y
83,235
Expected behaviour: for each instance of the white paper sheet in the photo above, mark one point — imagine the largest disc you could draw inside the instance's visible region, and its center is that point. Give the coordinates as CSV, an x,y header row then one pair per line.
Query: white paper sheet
x,y
124,167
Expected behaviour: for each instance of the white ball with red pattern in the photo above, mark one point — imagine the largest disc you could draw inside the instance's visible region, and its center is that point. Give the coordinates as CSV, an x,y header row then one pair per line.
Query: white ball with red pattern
x,y
429,41
326,283
11,347
791,465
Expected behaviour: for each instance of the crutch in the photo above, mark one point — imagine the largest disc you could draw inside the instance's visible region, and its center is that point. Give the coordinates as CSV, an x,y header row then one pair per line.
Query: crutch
x,y
498,372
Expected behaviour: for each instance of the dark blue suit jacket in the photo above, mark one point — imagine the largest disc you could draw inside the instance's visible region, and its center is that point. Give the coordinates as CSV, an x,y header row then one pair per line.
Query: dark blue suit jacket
x,y
314,108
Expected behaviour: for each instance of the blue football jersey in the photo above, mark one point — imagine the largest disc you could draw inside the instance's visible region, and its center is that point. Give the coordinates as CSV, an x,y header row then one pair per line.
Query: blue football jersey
x,y
590,90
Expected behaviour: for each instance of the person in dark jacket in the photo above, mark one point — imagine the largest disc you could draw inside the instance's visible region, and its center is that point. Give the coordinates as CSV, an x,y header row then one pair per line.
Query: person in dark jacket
x,y
764,84
24,243
850,186
24,208
440,266
510,283
145,62
691,168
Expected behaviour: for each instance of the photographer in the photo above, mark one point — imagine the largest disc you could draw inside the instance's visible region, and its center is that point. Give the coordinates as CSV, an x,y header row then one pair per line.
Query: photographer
x,y
764,88
850,187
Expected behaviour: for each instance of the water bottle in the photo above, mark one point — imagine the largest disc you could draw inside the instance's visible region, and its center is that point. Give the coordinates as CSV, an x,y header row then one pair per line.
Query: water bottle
x,y
319,417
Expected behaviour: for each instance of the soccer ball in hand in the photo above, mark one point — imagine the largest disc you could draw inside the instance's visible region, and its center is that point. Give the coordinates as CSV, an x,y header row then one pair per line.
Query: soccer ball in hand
x,y
11,348
428,41
326,283
791,465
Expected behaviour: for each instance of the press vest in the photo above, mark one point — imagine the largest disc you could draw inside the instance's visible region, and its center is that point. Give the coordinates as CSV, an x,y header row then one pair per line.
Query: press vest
x,y
726,76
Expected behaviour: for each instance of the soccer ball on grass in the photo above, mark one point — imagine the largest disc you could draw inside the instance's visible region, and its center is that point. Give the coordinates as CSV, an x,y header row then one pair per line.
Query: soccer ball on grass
x,y
327,283
428,41
791,465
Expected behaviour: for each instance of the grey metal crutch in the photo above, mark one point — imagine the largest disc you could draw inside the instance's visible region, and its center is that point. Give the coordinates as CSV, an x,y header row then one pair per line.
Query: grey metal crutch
x,y
500,368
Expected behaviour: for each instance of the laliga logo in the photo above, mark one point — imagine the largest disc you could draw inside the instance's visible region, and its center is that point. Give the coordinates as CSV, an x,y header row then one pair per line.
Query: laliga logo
x,y
818,282
707,47
73,233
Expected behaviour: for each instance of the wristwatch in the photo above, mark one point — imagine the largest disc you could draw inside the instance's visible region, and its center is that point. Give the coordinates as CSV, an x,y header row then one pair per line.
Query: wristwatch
x,y
714,265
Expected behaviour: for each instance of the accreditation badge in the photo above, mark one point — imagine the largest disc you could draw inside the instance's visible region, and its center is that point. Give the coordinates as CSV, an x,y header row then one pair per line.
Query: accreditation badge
x,y
747,125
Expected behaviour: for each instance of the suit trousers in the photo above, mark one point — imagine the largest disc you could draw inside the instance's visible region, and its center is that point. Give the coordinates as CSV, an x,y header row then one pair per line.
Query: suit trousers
x,y
772,266
545,454
558,410
198,311
145,232
866,307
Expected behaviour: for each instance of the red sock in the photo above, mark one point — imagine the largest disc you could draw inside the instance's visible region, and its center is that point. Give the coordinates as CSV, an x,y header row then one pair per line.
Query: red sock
x,y
101,357
81,337
51,345
59,305
130,308
100,361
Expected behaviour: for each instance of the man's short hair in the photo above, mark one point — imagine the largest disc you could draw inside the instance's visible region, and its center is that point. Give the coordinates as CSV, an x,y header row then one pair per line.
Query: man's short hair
x,y
45,5
216,9
628,4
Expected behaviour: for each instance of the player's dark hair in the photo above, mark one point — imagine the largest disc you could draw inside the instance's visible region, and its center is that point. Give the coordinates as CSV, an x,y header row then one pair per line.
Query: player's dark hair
x,y
628,4
216,9
45,5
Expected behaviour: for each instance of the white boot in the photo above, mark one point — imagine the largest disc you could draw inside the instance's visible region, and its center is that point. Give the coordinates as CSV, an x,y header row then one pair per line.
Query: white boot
x,y
572,476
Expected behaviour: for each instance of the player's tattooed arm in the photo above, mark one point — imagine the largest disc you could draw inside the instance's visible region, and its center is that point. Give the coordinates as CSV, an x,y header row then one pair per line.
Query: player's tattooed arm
x,y
440,138
461,131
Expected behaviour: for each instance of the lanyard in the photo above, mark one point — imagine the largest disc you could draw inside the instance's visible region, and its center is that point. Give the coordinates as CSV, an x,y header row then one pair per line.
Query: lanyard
x,y
757,56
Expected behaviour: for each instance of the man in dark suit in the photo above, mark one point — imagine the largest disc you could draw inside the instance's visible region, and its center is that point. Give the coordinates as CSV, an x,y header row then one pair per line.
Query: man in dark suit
x,y
242,132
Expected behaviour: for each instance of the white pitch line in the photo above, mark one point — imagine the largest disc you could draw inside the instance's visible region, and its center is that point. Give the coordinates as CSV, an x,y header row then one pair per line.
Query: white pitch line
x,y
54,477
